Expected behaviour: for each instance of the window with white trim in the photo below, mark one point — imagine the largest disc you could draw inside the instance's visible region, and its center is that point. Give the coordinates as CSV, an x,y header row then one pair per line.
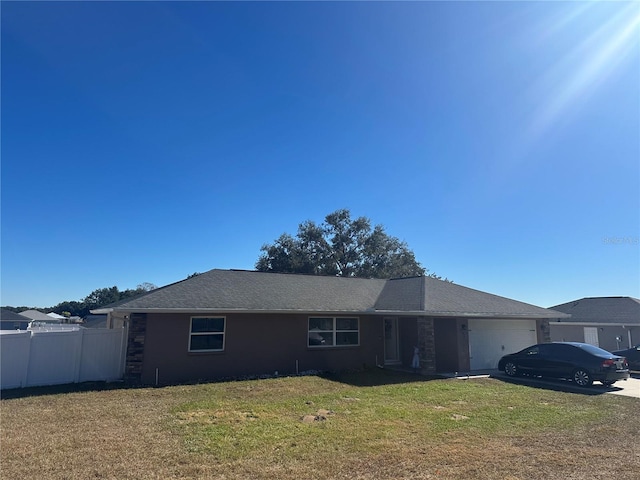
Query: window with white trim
x,y
333,331
206,334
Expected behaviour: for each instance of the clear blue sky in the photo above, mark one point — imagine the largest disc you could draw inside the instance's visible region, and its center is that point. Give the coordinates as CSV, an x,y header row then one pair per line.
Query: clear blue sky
x,y
142,142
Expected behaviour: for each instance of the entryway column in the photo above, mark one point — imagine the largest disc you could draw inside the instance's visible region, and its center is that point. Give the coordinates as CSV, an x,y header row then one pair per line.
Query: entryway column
x,y
135,348
545,331
427,345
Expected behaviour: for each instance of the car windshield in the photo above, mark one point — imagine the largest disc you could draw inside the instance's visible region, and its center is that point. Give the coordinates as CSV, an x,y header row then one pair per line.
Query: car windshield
x,y
592,349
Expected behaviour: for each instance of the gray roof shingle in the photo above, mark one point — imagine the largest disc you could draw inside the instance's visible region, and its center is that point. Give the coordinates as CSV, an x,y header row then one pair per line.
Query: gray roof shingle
x,y
438,298
36,315
240,290
602,310
259,291
9,316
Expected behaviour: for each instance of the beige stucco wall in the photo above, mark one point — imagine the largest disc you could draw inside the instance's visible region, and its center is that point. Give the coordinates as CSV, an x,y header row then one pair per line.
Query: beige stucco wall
x,y
565,332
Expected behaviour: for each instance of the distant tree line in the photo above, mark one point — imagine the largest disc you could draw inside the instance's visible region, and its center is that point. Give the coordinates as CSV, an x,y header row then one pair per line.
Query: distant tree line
x,y
96,299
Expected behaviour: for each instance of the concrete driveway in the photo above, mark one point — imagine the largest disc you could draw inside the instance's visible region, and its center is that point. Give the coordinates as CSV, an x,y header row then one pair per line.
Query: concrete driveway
x,y
628,388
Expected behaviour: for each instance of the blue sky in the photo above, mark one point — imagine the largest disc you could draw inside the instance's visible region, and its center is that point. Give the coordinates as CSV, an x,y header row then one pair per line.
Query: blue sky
x,y
142,142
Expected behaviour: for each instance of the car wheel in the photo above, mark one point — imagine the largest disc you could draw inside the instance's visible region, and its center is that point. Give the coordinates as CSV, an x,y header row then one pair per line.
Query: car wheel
x,y
511,369
608,383
582,378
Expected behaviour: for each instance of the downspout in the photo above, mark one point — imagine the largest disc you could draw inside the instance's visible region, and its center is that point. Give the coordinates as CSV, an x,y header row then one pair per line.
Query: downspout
x,y
124,342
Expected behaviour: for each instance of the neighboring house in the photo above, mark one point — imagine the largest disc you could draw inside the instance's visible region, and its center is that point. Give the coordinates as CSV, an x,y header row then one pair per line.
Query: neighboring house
x,y
37,316
227,323
12,321
55,316
612,323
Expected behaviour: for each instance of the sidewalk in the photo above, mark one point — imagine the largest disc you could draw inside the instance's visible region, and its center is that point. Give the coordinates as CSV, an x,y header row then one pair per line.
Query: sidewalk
x,y
472,374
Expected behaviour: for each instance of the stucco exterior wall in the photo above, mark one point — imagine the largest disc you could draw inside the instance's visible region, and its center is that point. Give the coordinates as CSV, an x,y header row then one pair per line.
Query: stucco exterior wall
x,y
254,344
565,332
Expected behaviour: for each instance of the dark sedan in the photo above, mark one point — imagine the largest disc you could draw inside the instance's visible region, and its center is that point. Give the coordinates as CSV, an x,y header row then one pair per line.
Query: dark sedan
x,y
632,355
579,362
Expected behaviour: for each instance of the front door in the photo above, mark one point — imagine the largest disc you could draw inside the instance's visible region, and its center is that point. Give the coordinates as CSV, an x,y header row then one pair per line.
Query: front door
x,y
391,341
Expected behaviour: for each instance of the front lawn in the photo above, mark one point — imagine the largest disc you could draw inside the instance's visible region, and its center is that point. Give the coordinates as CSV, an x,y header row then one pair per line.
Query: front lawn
x,y
375,424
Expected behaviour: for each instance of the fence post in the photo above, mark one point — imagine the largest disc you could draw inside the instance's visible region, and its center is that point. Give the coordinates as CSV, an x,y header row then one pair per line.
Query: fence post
x,y
25,371
28,365
78,355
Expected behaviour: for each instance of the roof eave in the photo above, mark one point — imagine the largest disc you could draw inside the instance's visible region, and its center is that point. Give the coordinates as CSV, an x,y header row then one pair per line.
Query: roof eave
x,y
571,323
101,311
233,310
435,313
429,313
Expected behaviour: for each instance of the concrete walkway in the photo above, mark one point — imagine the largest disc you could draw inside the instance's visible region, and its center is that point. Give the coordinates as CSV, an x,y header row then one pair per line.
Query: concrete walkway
x,y
630,388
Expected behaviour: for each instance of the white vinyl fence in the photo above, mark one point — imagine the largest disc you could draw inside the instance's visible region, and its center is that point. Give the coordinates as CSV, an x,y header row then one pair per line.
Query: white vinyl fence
x,y
52,357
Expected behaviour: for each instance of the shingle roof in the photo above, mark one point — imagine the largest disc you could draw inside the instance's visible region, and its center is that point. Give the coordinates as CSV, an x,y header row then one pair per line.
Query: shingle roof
x,y
35,315
438,298
259,291
9,316
602,310
239,290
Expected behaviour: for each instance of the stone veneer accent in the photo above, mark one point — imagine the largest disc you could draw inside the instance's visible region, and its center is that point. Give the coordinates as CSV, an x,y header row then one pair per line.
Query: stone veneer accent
x,y
546,330
135,348
427,345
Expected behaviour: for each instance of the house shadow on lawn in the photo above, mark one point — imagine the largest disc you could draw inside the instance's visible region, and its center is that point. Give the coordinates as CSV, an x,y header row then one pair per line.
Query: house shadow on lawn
x,y
369,377
375,377
14,393
557,385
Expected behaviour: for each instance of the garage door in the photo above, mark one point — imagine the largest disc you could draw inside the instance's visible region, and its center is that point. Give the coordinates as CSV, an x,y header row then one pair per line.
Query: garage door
x,y
491,339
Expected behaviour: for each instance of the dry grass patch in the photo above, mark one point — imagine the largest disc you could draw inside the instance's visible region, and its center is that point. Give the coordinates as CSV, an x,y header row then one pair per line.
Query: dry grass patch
x,y
372,425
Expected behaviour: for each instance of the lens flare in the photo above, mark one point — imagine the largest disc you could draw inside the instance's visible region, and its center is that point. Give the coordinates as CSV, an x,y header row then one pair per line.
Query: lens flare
x,y
584,69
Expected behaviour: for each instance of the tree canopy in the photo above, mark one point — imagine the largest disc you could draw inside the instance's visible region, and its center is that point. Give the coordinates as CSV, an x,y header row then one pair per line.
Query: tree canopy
x,y
101,297
98,298
340,246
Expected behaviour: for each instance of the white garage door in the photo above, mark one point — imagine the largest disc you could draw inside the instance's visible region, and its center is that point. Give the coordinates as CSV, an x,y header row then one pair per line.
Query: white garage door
x,y
491,339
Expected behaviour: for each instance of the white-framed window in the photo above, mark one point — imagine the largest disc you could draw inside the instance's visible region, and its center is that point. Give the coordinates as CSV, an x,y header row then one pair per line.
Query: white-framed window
x,y
591,336
206,334
333,332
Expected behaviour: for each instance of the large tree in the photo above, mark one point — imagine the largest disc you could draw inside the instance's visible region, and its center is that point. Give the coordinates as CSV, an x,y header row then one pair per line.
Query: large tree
x,y
340,246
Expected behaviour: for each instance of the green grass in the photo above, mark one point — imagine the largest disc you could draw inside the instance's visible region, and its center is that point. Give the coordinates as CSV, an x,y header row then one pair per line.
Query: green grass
x,y
236,422
374,424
